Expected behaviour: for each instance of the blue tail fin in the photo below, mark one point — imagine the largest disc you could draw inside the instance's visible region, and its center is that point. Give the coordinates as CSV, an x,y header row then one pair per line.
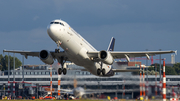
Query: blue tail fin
x,y
111,45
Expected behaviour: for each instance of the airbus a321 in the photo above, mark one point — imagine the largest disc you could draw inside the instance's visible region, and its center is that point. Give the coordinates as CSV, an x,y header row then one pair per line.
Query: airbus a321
x,y
77,50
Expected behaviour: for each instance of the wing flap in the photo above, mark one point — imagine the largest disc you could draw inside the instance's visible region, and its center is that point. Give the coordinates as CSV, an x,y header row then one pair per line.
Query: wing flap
x,y
117,55
121,54
125,70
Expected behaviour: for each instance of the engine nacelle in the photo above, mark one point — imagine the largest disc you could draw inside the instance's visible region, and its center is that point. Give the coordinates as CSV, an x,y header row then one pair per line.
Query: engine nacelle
x,y
106,57
46,57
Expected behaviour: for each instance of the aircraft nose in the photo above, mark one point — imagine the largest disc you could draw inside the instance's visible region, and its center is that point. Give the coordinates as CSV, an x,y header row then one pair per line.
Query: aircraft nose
x,y
51,29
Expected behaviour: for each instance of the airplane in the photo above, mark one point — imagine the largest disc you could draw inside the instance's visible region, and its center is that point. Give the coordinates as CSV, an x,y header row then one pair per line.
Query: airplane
x,y
79,51
77,92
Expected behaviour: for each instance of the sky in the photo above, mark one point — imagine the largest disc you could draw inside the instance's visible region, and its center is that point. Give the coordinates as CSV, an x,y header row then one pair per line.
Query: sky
x,y
137,25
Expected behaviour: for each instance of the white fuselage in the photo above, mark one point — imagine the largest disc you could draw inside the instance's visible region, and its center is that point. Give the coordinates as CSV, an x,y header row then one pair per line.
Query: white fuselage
x,y
74,45
78,92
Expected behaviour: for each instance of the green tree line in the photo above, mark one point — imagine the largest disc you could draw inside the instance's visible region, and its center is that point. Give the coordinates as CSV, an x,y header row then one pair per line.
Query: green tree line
x,y
175,70
4,62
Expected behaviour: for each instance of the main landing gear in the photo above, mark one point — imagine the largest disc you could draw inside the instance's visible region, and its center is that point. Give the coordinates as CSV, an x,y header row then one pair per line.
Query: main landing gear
x,y
100,70
62,70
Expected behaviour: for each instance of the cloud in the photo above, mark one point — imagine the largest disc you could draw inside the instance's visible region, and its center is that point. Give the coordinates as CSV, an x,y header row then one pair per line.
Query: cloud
x,y
35,18
136,25
26,39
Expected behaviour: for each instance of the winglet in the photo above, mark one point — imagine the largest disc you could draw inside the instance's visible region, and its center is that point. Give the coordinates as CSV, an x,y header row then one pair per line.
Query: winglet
x,y
4,51
176,52
111,45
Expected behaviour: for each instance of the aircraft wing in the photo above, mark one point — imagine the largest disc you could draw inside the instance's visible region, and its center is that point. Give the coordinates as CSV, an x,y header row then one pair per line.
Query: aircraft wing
x,y
69,91
125,70
66,90
36,53
119,55
25,53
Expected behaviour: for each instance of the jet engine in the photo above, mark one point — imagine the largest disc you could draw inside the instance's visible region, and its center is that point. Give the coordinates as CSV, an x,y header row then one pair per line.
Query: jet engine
x,y
46,57
106,57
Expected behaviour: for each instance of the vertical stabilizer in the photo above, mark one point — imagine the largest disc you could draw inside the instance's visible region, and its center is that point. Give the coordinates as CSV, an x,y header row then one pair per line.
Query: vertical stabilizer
x,y
111,45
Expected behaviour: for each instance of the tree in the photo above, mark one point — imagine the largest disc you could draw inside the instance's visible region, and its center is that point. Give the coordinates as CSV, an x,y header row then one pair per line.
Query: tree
x,y
169,70
177,68
1,56
4,62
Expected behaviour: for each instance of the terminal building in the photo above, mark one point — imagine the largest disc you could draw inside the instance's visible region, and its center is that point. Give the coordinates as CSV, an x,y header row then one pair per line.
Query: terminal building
x,y
39,76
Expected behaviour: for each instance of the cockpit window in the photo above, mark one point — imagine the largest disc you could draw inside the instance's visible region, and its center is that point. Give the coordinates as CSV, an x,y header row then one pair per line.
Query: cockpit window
x,y
61,24
57,23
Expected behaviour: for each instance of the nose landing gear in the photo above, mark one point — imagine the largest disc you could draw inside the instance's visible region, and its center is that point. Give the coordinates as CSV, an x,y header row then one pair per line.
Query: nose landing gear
x,y
58,45
57,50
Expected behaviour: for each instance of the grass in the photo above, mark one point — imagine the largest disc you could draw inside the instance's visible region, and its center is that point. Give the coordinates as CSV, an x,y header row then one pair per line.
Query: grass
x,y
84,100
62,100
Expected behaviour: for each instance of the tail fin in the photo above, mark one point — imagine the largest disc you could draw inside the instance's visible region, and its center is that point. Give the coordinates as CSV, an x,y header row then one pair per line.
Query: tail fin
x,y
111,45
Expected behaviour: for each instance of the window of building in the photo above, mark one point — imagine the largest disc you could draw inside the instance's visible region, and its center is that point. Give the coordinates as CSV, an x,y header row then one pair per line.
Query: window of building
x,y
18,79
55,79
28,73
32,73
77,73
47,73
43,73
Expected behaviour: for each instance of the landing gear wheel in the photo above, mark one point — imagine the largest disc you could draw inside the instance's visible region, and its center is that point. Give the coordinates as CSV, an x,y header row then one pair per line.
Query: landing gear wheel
x,y
98,71
64,71
59,71
103,71
57,50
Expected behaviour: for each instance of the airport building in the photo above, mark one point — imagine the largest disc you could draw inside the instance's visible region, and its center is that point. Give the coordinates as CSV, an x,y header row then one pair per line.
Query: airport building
x,y
39,76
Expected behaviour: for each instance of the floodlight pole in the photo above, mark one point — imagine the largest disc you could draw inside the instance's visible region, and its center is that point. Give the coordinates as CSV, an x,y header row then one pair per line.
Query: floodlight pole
x,y
147,75
160,66
23,74
14,78
8,75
